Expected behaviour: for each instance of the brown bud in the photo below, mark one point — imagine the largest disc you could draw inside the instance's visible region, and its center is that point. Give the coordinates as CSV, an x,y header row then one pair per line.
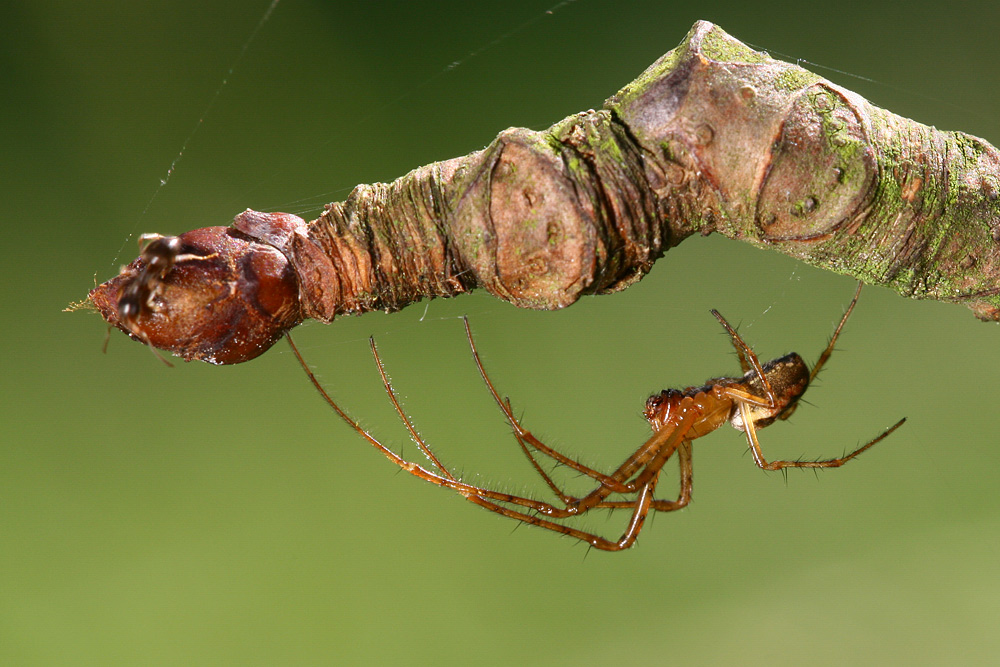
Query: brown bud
x,y
225,298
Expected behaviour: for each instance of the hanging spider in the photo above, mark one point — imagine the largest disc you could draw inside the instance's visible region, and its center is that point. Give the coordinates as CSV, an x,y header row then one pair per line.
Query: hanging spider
x,y
157,256
764,393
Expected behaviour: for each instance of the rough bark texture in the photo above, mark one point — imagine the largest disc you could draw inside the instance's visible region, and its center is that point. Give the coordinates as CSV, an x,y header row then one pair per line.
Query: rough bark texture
x,y
536,219
783,159
713,137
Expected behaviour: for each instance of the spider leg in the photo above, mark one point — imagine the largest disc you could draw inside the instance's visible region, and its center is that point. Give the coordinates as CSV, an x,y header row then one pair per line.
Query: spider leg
x,y
491,499
758,456
402,415
524,436
683,497
747,357
666,440
565,498
642,506
416,470
650,458
687,481
833,339
647,461
662,444
741,396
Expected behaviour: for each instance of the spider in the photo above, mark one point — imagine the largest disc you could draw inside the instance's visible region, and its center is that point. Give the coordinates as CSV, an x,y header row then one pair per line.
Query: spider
x,y
764,393
157,256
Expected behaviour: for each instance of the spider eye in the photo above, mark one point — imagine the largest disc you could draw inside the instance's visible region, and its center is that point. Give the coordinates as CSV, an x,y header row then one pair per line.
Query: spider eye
x,y
655,406
128,309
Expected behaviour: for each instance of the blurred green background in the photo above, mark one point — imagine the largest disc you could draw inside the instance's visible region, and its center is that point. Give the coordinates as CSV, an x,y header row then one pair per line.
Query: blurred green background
x,y
203,515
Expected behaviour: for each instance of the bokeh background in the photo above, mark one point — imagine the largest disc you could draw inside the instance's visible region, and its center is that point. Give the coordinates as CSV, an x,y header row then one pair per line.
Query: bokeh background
x,y
203,515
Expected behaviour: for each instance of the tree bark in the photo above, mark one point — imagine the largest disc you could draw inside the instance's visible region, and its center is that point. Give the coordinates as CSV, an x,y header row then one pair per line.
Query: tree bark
x,y
713,137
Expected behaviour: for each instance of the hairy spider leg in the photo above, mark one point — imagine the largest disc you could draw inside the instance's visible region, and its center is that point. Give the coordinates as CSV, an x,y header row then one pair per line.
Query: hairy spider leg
x,y
758,455
684,459
643,467
663,443
413,468
745,399
833,339
613,483
748,360
653,455
524,435
684,449
642,505
402,415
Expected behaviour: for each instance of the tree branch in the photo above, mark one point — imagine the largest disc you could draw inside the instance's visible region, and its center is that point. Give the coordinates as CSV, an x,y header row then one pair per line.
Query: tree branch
x,y
713,137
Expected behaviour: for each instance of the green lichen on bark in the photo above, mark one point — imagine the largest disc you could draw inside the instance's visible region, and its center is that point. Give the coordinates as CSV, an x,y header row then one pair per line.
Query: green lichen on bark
x,y
778,157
